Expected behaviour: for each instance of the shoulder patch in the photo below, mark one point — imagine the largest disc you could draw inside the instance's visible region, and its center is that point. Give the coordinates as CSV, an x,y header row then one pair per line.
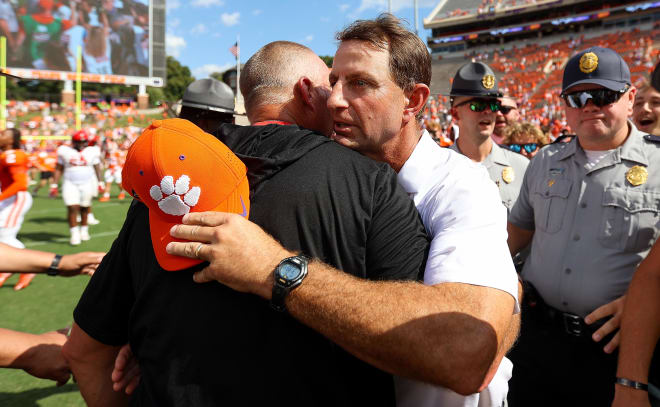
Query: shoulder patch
x,y
652,138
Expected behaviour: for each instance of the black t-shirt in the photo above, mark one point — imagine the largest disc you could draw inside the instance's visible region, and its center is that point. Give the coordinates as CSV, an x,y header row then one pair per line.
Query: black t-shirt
x,y
207,345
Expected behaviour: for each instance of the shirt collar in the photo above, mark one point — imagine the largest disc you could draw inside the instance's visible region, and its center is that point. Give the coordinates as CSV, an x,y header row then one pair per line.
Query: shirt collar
x,y
498,156
632,149
419,165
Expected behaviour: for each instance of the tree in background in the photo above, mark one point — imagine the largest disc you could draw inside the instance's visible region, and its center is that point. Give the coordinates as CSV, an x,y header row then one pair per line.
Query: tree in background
x,y
178,79
327,59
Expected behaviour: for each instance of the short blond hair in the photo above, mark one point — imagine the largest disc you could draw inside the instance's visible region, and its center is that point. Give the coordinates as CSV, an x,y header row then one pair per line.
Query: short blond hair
x,y
525,128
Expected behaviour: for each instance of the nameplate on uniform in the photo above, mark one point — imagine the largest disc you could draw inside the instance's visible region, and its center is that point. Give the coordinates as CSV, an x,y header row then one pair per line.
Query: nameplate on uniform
x,y
652,138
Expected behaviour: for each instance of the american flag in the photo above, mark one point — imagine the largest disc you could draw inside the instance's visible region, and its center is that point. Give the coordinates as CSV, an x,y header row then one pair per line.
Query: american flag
x,y
234,49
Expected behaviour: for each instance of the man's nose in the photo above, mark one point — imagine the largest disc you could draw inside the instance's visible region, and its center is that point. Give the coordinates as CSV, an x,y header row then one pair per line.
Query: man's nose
x,y
336,99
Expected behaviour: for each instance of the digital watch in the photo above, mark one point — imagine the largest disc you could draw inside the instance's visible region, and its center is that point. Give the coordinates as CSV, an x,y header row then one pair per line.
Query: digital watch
x,y
288,275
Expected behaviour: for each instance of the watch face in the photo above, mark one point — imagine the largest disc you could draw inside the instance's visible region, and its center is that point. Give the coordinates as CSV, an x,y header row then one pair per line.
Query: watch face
x,y
289,271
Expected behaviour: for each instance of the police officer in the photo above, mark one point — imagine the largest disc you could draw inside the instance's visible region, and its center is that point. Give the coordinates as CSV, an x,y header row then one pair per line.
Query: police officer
x,y
591,210
208,103
474,105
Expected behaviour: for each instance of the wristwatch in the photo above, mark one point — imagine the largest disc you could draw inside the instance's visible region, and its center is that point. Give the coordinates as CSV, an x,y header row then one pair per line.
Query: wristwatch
x,y
288,275
54,268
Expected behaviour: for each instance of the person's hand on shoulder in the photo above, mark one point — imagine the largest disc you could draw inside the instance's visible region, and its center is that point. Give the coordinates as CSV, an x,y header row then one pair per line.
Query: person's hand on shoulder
x,y
226,240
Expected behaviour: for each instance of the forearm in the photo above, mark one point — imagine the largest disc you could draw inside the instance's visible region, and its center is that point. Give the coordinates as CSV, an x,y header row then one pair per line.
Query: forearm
x,y
444,334
24,260
12,346
91,364
640,326
518,238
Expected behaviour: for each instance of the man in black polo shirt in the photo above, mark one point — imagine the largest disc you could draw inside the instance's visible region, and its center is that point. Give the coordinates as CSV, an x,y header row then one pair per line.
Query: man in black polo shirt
x,y
210,345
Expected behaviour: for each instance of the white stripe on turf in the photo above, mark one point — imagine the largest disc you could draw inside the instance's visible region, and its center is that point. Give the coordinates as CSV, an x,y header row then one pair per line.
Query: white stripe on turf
x,y
66,239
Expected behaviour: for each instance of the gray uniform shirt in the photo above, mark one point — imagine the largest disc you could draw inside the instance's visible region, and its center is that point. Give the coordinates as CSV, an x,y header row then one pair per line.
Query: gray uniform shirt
x,y
506,169
591,227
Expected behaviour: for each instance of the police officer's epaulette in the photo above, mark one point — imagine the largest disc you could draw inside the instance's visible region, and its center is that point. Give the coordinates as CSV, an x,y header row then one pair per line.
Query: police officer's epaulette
x,y
652,138
563,137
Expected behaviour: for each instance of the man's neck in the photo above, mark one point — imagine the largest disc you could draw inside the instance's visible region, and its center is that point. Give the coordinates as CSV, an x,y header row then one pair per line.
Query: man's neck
x,y
476,150
272,112
399,150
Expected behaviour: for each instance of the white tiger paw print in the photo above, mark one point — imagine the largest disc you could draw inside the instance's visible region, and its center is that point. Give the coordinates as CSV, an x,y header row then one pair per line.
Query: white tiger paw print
x,y
168,195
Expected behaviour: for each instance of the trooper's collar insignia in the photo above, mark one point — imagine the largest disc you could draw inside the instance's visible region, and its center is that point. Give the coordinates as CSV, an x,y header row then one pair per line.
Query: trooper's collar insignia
x,y
588,62
488,81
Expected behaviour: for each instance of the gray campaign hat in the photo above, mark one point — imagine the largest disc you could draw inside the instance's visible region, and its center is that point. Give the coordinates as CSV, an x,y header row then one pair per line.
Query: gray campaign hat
x,y
209,94
475,79
597,65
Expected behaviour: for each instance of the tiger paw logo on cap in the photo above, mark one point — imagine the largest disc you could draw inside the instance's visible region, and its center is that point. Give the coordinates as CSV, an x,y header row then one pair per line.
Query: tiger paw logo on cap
x,y
175,168
588,62
488,81
168,195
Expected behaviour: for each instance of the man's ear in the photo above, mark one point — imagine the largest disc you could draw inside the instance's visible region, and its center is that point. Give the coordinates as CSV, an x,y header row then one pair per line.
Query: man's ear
x,y
303,90
415,101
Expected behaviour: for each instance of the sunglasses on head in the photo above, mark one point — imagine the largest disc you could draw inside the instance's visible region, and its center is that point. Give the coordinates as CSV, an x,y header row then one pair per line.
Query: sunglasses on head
x,y
529,147
479,105
599,97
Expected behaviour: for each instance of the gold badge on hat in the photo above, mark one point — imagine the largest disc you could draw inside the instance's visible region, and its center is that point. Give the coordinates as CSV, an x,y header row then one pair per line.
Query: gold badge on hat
x,y
588,62
508,175
637,175
488,81
551,183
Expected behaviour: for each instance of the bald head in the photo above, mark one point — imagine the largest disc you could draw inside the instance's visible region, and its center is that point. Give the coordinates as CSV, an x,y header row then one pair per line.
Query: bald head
x,y
270,75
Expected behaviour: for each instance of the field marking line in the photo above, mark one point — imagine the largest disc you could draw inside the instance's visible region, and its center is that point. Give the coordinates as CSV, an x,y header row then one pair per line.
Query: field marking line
x,y
66,239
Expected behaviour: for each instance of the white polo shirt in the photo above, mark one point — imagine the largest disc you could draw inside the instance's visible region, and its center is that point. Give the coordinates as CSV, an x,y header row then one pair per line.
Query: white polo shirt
x,y
463,214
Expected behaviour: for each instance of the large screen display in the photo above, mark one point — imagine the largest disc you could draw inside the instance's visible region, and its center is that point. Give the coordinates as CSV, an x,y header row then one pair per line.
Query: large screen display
x,y
114,36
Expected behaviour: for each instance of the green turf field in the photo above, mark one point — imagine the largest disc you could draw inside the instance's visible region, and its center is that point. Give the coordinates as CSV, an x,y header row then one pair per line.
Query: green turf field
x,y
47,304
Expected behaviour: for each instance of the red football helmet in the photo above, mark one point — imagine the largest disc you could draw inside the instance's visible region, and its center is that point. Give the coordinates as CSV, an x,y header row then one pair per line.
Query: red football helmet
x,y
94,139
81,136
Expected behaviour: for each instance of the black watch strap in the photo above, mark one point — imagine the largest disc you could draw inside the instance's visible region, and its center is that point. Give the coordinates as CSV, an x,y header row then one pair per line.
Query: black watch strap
x,y
54,268
631,383
282,288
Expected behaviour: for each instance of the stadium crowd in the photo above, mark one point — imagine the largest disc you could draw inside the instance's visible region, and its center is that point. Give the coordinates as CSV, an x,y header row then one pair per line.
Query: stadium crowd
x,y
46,34
536,218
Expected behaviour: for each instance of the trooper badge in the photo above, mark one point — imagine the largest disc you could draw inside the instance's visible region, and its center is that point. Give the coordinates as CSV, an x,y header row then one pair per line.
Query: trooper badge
x,y
488,81
588,62
637,175
508,175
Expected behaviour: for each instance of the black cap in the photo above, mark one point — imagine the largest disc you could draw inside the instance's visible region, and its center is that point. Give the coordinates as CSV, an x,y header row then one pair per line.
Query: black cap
x,y
475,79
655,77
597,65
209,94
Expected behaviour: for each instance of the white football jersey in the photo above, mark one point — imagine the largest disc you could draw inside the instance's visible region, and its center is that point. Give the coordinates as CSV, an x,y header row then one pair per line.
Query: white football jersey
x,y
78,165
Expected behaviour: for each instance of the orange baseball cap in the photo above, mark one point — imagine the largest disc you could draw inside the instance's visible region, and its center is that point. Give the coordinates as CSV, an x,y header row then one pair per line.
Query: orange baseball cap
x,y
174,168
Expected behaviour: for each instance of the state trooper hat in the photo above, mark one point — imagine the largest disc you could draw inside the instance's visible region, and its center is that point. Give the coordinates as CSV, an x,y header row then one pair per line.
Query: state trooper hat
x,y
655,77
597,65
209,94
475,79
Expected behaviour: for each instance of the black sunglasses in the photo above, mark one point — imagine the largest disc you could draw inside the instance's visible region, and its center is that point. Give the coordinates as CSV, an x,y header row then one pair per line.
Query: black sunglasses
x,y
479,105
529,147
506,109
599,97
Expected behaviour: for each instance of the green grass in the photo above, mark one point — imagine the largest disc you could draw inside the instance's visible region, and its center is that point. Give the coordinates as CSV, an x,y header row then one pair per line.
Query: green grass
x,y
48,303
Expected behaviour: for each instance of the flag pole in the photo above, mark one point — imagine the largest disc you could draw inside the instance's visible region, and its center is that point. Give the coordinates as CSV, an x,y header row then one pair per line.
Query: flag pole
x,y
3,83
78,86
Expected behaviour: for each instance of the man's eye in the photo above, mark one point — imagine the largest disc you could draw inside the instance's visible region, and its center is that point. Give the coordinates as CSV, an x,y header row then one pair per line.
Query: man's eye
x,y
360,82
